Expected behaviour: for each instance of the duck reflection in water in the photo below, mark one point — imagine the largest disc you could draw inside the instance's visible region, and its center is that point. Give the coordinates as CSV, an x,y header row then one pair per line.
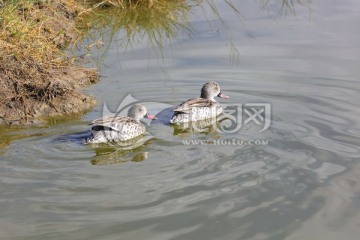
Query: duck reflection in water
x,y
121,152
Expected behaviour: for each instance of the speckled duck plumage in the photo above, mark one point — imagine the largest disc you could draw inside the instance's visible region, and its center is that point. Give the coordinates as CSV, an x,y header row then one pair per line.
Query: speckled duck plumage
x,y
119,128
197,109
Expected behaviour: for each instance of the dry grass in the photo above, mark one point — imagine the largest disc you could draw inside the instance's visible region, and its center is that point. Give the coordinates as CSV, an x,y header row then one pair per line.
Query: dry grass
x,y
32,63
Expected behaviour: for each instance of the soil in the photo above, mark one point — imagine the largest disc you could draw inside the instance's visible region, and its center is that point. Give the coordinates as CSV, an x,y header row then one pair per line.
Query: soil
x,y
34,86
55,92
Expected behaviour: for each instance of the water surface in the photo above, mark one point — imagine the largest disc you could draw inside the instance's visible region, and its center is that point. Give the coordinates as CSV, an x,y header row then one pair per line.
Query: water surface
x,y
302,184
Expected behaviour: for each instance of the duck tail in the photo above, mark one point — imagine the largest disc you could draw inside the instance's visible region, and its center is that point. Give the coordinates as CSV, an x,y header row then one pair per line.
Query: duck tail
x,y
89,140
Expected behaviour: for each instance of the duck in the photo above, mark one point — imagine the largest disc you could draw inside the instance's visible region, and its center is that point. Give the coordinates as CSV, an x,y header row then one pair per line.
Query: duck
x,y
119,128
204,107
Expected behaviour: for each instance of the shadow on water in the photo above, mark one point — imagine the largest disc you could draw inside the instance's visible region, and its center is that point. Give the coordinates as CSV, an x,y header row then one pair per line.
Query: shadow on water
x,y
77,138
164,116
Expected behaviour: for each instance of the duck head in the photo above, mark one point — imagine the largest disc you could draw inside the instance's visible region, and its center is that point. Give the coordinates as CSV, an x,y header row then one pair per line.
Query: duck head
x,y
211,90
138,111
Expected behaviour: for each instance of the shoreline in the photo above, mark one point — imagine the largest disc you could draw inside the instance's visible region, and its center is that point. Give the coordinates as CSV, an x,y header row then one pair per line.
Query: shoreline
x,y
37,79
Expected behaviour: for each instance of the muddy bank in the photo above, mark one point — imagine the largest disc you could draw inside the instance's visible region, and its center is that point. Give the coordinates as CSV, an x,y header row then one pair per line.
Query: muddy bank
x,y
54,92
36,78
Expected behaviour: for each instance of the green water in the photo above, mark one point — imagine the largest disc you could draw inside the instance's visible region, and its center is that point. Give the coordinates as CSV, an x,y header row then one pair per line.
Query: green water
x,y
301,183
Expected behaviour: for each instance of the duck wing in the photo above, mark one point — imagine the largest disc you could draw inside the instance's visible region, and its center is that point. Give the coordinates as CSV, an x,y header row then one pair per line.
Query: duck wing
x,y
186,106
110,122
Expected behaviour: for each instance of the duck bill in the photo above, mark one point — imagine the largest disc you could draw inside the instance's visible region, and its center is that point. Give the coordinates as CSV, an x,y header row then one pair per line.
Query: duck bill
x,y
221,95
148,116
